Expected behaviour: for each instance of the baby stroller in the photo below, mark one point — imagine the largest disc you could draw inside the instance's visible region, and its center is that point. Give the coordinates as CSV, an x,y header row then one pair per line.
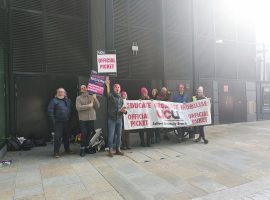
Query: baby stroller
x,y
187,131
97,141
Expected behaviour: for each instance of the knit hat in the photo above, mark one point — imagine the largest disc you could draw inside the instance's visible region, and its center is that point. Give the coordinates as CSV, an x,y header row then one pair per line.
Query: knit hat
x,y
144,90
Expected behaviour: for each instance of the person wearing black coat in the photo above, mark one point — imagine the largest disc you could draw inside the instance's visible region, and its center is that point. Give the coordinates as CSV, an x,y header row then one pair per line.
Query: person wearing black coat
x,y
59,113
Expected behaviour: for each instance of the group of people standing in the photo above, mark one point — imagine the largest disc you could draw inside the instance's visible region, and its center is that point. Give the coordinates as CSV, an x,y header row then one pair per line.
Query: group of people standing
x,y
59,112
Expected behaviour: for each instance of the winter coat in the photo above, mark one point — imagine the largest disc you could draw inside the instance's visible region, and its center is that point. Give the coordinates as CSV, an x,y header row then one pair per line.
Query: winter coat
x,y
59,110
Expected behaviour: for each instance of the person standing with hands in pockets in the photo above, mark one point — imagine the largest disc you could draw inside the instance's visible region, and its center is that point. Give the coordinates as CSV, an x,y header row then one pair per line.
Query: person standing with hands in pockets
x,y
86,106
115,117
59,112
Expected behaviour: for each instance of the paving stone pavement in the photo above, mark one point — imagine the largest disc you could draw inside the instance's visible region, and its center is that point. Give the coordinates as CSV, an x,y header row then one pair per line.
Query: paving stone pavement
x,y
235,165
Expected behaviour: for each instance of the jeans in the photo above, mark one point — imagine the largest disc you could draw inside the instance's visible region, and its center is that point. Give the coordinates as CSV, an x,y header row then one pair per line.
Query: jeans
x,y
87,129
61,131
114,128
125,138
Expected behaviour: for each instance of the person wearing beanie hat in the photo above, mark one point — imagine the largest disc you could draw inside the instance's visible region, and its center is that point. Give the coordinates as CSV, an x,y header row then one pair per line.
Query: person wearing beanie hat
x,y
200,96
125,133
144,96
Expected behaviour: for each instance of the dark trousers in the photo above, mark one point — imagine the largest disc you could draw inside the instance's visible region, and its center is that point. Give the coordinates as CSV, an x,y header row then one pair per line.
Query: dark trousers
x,y
156,133
148,136
201,132
87,129
125,138
61,132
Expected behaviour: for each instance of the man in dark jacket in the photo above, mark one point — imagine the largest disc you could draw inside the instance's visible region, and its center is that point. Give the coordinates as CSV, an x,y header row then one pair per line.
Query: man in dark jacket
x,y
115,117
59,112
181,97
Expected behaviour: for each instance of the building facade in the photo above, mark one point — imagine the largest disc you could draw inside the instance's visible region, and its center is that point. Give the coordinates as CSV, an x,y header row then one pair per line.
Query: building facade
x,y
46,44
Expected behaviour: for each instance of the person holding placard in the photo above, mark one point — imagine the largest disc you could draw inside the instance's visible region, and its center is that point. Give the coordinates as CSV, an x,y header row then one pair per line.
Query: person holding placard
x,y
86,106
115,117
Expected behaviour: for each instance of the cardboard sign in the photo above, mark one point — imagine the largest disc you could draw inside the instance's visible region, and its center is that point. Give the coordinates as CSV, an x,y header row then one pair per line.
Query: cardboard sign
x,y
160,114
106,62
96,84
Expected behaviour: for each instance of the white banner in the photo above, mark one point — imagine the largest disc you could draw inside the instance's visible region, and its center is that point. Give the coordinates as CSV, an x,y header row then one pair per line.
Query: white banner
x,y
106,63
160,114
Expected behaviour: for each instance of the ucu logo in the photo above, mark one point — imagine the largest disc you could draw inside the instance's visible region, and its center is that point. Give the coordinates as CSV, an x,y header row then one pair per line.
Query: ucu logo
x,y
168,114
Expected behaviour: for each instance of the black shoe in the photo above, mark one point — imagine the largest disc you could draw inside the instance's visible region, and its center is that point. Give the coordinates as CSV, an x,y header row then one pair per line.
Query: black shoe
x,y
158,140
82,152
142,144
153,141
205,141
69,151
149,144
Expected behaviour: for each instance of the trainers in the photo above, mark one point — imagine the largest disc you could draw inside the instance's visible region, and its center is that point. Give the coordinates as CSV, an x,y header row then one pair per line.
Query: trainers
x,y
56,155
